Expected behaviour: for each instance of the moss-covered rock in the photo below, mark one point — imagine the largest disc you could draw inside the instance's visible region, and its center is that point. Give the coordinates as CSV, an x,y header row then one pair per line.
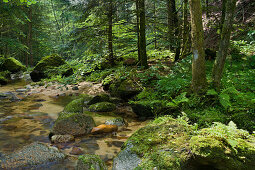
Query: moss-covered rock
x,y
13,65
75,106
42,69
119,121
99,98
125,90
102,107
168,143
90,162
4,76
73,124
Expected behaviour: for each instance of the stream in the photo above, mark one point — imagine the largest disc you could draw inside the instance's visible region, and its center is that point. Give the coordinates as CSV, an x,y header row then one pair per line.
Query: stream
x,y
30,119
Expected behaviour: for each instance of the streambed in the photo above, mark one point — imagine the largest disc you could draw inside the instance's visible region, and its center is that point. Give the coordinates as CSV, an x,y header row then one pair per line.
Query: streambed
x,y
30,119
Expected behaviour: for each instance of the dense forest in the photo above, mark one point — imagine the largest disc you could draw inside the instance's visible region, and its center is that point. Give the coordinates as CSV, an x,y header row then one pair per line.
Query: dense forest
x,y
127,84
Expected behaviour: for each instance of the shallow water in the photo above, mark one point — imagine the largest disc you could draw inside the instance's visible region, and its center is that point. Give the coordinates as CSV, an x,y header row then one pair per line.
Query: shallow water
x,y
29,120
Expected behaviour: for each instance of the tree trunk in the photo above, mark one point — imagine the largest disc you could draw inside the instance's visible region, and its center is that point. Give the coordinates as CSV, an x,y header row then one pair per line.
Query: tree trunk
x,y
143,53
138,31
198,61
185,32
110,38
29,38
224,43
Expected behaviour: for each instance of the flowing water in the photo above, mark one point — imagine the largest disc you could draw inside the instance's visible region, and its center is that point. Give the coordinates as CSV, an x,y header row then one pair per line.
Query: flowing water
x,y
31,119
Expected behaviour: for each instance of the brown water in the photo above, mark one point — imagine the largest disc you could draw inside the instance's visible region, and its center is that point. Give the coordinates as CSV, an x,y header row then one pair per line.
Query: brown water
x,y
29,120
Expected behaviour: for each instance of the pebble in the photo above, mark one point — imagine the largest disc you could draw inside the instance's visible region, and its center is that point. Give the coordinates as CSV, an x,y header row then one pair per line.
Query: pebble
x,y
76,151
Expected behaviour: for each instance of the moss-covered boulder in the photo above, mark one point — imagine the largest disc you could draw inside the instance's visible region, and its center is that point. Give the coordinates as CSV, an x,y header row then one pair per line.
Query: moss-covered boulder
x,y
90,162
13,65
125,89
102,107
3,80
73,124
50,65
169,143
99,98
4,77
75,106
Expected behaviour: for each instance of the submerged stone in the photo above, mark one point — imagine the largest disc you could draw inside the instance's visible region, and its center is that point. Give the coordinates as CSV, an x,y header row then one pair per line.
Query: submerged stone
x,y
33,156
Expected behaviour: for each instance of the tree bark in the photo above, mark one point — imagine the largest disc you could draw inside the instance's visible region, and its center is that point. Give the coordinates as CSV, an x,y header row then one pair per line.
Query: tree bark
x,y
29,38
185,32
224,43
138,31
198,61
110,37
143,53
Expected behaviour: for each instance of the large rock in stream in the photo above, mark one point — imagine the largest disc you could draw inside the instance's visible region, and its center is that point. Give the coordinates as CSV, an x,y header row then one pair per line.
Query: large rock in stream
x,y
48,63
90,162
34,156
75,124
169,143
12,65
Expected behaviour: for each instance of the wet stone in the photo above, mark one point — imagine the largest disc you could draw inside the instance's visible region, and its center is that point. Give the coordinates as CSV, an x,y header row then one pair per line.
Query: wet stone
x,y
76,151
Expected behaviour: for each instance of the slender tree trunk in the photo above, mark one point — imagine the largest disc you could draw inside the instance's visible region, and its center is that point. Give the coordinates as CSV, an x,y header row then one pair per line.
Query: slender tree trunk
x,y
110,37
223,13
224,43
207,9
29,38
143,53
138,31
198,61
154,25
185,32
170,23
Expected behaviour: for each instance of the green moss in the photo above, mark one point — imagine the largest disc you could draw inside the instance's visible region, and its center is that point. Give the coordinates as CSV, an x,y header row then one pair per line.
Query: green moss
x,y
167,143
90,162
47,62
75,106
102,107
13,65
99,98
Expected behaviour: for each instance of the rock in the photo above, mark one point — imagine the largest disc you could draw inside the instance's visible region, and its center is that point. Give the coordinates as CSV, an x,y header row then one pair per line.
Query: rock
x,y
115,100
125,90
32,156
75,106
4,76
102,107
62,138
99,98
104,129
46,63
13,65
120,122
141,109
173,144
21,90
76,151
90,162
75,88
126,159
73,124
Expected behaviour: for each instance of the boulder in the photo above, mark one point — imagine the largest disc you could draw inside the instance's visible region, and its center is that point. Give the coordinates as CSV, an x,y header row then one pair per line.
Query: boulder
x,y
4,76
34,156
3,80
141,110
102,107
169,143
126,159
125,90
75,106
90,162
12,65
119,121
99,98
42,69
73,124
